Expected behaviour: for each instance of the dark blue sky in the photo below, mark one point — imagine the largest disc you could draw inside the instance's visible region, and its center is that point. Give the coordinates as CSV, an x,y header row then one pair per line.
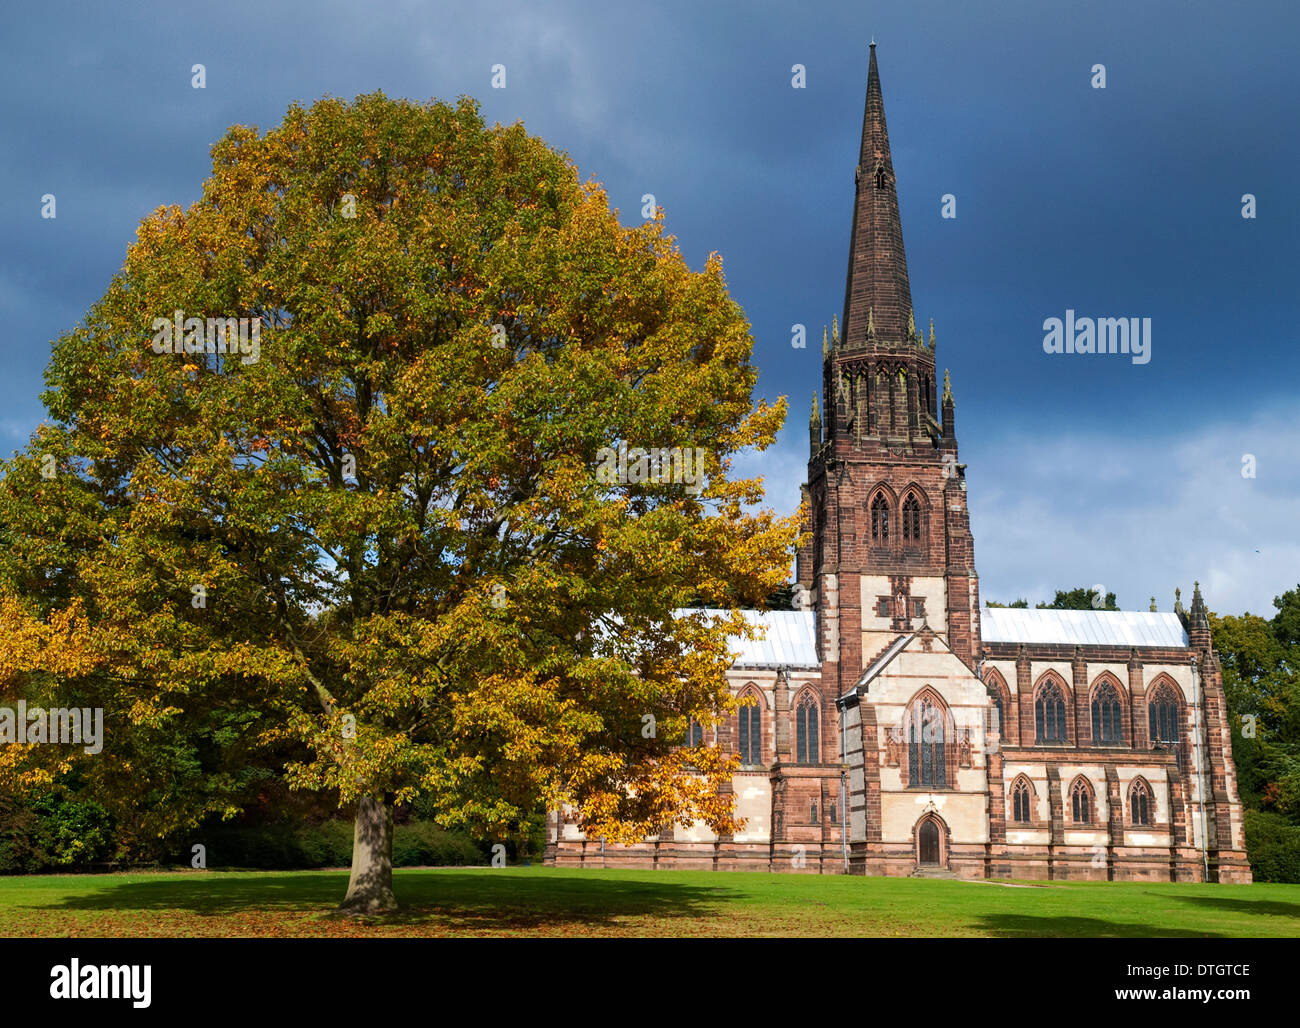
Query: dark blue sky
x,y
1117,202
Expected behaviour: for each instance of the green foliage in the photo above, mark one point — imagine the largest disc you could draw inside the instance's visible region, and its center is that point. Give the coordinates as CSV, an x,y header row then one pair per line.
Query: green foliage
x,y
379,553
74,832
19,852
1080,599
283,845
1261,680
1021,603
421,844
276,845
780,598
1273,844
51,831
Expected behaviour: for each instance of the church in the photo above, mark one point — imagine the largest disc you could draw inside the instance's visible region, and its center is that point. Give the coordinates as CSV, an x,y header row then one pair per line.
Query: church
x,y
895,728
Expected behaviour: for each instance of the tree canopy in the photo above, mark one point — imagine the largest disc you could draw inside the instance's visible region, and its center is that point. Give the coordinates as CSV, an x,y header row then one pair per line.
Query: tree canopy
x,y
375,536
1261,678
1073,599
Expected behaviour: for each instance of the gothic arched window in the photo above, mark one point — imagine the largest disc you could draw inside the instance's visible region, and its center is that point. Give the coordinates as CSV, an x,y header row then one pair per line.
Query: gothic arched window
x,y
926,758
694,734
807,748
1021,802
1049,714
751,735
1140,803
880,176
1163,713
880,519
1107,719
1081,802
911,519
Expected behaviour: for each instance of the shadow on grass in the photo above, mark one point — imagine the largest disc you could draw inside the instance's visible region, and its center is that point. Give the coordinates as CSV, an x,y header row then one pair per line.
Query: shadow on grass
x,y
1022,926
1274,908
483,900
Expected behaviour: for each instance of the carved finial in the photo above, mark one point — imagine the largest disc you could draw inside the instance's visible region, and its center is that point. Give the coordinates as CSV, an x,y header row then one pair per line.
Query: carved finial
x,y
1178,601
1153,605
911,326
816,418
947,387
871,321
835,329
932,333
826,347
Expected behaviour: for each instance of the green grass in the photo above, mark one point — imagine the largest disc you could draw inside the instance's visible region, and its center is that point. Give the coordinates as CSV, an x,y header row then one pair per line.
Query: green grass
x,y
548,902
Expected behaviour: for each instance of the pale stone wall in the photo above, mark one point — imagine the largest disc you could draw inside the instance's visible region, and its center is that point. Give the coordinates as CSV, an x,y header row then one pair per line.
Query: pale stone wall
x,y
754,803
891,694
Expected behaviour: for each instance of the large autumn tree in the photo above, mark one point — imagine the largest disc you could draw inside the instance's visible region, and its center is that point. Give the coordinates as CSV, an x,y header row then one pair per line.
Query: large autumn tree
x,y
384,544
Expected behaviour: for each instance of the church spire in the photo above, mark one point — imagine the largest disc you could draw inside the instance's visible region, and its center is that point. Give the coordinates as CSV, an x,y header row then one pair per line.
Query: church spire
x,y
877,287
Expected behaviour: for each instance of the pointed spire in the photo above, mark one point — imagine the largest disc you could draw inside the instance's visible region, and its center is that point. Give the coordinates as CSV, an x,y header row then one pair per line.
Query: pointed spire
x,y
1198,610
816,418
932,333
911,326
877,272
826,347
947,387
835,329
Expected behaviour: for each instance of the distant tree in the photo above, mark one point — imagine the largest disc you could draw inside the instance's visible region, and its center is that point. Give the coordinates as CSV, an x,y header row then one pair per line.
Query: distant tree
x,y
780,598
1080,599
1017,603
1261,678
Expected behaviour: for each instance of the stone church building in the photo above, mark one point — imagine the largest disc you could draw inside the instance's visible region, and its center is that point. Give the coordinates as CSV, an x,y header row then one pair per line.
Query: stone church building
x,y
895,727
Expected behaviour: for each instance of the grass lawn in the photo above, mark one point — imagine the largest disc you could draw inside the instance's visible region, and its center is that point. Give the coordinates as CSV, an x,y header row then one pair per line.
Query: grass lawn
x,y
541,901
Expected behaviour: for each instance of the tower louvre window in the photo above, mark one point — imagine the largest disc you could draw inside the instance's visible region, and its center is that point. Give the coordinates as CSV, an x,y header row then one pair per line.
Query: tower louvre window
x,y
911,519
880,176
880,520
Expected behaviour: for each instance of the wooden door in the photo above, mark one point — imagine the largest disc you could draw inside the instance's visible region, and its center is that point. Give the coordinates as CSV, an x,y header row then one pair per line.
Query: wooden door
x,y
930,843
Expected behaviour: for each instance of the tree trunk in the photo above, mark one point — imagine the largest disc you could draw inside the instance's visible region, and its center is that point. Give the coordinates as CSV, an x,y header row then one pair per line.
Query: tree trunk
x,y
370,889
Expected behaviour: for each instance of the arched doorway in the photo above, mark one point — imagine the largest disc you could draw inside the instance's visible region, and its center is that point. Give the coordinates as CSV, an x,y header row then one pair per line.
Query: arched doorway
x,y
927,836
931,840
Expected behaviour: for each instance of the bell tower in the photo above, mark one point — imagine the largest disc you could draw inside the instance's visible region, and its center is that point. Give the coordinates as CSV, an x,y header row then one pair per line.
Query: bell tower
x,y
891,548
